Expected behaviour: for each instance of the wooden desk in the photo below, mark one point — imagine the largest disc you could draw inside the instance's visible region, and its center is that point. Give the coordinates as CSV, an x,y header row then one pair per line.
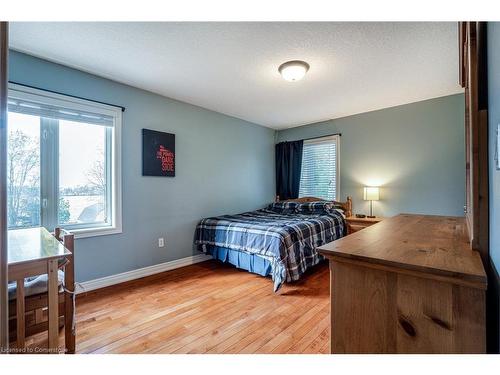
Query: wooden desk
x,y
409,284
33,252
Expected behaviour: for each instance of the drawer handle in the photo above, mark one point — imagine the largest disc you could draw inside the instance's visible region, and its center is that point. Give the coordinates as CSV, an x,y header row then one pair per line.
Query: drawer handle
x,y
407,326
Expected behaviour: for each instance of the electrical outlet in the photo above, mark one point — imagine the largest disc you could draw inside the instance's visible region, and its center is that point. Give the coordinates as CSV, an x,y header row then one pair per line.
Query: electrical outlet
x,y
161,242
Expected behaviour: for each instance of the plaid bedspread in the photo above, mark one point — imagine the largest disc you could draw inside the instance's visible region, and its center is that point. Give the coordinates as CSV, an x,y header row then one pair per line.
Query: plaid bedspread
x,y
287,240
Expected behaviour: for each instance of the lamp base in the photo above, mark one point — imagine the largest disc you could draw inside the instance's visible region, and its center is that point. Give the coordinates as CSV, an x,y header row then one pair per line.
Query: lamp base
x,y
371,216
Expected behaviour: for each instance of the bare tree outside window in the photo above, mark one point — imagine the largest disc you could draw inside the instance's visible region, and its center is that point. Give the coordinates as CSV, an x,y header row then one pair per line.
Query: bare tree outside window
x,y
23,174
96,175
23,178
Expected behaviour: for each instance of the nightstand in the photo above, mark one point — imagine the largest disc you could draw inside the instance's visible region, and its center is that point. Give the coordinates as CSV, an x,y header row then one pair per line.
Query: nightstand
x,y
355,224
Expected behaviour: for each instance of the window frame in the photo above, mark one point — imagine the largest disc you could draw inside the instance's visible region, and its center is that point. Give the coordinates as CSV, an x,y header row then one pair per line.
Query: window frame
x,y
336,139
49,213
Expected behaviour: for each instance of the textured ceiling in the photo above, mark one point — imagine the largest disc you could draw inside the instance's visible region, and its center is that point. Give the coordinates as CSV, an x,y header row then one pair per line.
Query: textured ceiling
x,y
233,67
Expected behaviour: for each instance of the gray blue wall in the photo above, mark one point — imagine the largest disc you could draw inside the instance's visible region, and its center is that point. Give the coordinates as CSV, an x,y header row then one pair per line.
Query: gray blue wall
x,y
223,165
415,152
494,120
493,37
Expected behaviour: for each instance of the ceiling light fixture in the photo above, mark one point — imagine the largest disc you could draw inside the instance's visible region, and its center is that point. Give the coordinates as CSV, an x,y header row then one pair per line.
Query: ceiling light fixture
x,y
293,70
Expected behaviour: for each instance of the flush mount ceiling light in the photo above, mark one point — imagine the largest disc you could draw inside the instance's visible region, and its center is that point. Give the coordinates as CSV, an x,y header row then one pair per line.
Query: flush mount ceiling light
x,y
293,70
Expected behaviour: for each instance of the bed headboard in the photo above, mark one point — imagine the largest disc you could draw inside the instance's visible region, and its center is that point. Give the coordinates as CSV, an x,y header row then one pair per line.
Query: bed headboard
x,y
346,206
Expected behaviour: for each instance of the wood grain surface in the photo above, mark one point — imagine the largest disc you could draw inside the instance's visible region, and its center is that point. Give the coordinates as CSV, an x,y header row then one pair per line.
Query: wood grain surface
x,y
434,245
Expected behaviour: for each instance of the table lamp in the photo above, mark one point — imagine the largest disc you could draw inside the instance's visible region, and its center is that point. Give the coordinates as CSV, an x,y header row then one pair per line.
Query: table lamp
x,y
371,193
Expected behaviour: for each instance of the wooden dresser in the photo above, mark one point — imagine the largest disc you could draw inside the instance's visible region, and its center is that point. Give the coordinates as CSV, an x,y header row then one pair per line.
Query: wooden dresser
x,y
409,284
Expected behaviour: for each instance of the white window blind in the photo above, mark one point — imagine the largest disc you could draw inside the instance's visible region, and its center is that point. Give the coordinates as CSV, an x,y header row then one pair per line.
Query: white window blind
x,y
57,107
319,175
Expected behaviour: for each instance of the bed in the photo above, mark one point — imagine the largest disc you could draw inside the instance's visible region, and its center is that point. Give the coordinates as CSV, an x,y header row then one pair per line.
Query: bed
x,y
278,241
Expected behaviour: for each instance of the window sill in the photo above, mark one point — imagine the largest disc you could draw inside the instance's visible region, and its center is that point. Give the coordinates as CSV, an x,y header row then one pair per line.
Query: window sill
x,y
94,232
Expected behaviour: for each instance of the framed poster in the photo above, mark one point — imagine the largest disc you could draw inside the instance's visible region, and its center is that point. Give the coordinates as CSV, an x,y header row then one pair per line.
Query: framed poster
x,y
158,153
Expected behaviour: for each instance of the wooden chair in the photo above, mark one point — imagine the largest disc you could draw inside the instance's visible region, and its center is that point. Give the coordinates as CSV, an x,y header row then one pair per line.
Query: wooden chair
x,y
36,305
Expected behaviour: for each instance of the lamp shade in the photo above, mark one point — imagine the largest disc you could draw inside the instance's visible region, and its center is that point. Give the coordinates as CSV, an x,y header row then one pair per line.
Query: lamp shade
x,y
371,193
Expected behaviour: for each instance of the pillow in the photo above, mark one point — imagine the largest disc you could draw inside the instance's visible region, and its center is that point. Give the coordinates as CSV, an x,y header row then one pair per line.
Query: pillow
x,y
34,285
318,207
284,207
315,207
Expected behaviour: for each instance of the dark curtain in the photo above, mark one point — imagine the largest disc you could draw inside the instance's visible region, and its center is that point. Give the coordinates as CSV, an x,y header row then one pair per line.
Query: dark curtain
x,y
288,168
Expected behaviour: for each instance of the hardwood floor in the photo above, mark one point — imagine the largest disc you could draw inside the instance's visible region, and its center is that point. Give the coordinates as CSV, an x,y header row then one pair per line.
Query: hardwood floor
x,y
206,308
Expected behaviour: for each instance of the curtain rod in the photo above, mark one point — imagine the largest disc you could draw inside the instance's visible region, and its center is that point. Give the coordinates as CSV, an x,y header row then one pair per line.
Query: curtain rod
x,y
321,136
71,96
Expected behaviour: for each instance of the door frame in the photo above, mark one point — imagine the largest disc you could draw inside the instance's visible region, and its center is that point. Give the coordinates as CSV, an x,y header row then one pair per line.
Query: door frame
x,y
4,316
473,78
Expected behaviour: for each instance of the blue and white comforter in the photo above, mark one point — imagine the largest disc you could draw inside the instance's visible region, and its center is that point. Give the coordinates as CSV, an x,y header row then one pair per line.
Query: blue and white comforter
x,y
286,238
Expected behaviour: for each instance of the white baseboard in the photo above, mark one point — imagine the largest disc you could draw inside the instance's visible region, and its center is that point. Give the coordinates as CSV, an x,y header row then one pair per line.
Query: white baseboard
x,y
103,282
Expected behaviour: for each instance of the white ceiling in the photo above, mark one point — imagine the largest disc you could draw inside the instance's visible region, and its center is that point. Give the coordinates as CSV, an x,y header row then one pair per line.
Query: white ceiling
x,y
233,67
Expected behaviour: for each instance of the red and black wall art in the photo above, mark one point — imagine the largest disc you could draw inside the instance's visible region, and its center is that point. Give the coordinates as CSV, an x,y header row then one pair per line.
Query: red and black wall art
x,y
158,153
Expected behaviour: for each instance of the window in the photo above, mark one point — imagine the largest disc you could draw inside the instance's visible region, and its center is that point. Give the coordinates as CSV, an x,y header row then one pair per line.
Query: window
x,y
320,169
63,163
